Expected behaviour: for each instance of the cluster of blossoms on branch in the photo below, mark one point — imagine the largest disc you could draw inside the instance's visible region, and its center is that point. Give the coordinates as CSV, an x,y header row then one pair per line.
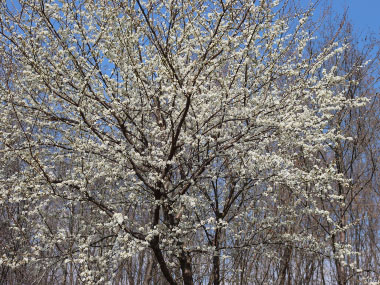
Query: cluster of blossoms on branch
x,y
189,130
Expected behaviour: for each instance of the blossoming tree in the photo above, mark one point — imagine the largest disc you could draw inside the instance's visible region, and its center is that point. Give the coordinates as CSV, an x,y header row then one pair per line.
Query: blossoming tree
x,y
176,137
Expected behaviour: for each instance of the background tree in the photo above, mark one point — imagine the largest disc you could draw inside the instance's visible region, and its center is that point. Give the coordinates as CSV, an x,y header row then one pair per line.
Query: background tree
x,y
177,142
357,159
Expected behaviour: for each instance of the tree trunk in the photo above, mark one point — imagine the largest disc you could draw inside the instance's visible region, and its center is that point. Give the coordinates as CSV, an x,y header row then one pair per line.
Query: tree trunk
x,y
285,265
187,273
148,273
216,260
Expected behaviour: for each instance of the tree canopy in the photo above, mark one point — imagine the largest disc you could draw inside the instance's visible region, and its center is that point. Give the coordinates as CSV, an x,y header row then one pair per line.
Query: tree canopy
x,y
180,142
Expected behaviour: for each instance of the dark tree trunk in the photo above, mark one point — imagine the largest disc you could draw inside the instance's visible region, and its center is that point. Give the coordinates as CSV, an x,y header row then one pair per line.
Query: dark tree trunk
x,y
187,273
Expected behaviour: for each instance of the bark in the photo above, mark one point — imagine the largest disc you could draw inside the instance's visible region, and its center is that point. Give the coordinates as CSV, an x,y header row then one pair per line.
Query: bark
x,y
187,273
216,270
154,244
161,262
341,280
216,260
285,265
149,272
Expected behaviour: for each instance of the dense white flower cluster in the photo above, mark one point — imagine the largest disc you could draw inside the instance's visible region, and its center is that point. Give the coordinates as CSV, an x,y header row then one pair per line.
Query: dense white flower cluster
x,y
189,128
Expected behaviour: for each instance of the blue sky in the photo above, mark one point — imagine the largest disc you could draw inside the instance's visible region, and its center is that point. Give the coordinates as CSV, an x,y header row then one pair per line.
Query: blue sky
x,y
364,14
